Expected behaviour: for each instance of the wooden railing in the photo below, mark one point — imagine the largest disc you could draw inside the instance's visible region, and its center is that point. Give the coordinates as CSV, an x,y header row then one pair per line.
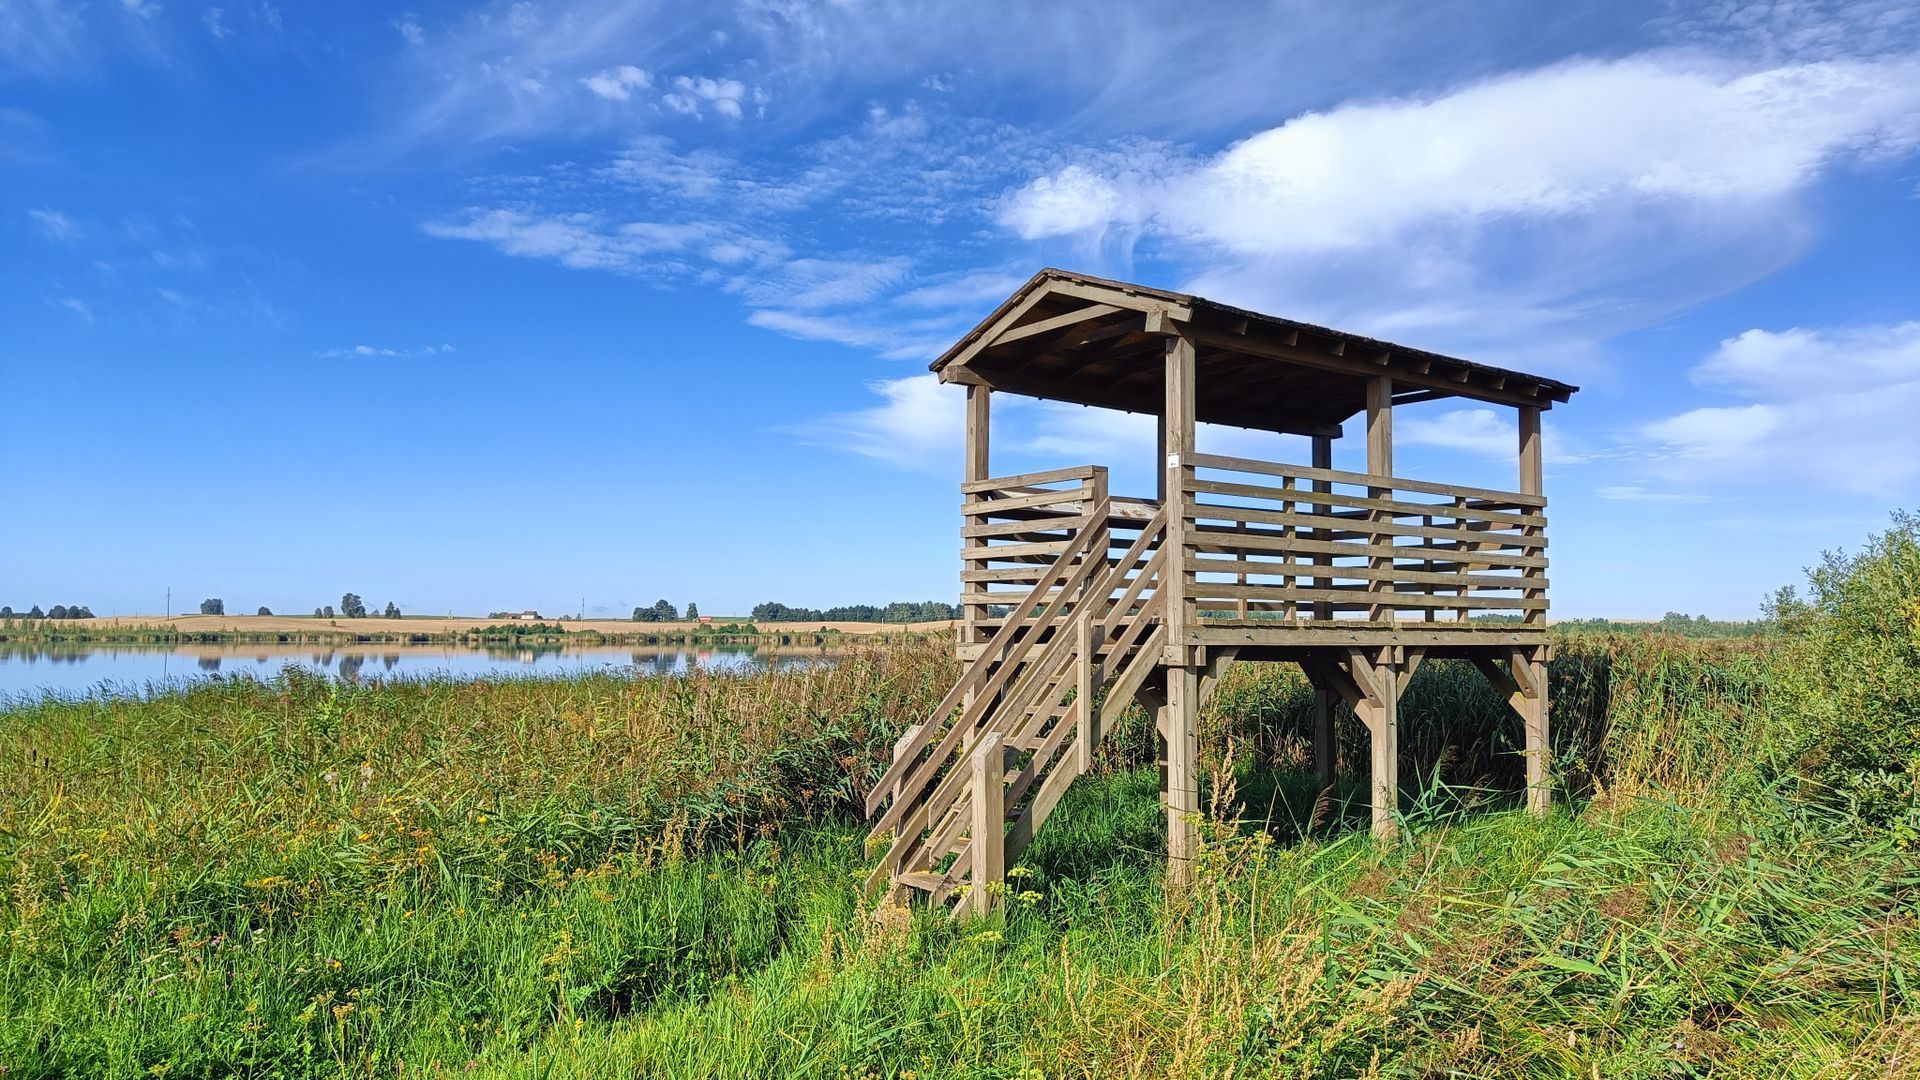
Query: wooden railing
x,y
1012,530
1273,542
1028,702
1014,527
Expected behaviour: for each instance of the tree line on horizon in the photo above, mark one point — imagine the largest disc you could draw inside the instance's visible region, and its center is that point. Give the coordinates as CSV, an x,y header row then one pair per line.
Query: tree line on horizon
x,y
351,607
57,611
899,611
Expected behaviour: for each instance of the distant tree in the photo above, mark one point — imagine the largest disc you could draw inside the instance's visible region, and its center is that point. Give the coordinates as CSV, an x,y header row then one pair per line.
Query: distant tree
x,y
6,612
319,613
664,612
693,611
392,611
80,612
352,608
643,614
263,610
328,612
213,606
58,611
36,613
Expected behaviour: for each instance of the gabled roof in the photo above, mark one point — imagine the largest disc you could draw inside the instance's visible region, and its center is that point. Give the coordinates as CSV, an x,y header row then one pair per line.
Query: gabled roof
x,y
1091,341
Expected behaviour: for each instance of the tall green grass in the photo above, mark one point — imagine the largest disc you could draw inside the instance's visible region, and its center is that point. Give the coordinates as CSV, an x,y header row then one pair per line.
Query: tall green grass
x,y
607,876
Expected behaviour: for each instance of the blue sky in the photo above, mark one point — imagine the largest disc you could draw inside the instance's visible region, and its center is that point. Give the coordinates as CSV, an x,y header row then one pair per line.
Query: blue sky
x,y
505,305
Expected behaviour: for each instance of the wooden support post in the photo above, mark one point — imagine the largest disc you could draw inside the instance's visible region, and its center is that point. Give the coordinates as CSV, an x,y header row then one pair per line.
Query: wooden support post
x,y
1532,482
1522,678
1177,424
899,745
1087,721
979,431
1179,728
1376,676
1322,459
977,467
1539,744
987,841
1380,463
1325,749
1386,752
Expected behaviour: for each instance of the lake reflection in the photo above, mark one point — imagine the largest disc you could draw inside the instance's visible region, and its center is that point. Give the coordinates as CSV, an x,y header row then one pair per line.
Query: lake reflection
x,y
132,670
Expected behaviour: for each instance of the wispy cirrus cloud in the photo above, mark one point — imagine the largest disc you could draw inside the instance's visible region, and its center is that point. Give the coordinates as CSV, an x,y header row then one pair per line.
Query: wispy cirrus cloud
x,y
382,352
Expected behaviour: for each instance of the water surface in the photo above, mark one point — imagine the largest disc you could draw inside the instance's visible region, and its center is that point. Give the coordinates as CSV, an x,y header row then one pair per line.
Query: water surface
x,y
28,670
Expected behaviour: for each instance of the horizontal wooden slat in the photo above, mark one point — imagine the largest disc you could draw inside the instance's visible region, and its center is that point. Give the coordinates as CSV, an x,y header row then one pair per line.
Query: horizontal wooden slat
x,y
1362,573
1206,591
1242,542
1052,476
1391,506
1318,523
1337,476
1035,525
1070,498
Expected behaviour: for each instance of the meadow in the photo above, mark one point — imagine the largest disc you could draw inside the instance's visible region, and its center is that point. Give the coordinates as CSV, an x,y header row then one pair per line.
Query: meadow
x,y
607,876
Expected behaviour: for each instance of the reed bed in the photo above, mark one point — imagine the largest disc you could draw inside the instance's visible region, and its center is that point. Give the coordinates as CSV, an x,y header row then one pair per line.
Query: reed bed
x,y
601,875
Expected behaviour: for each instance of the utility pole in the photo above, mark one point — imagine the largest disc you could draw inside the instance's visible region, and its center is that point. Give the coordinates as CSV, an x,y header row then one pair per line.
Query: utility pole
x,y
169,601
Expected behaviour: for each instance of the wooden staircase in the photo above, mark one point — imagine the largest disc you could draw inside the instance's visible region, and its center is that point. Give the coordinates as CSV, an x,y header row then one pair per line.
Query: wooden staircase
x,y
970,787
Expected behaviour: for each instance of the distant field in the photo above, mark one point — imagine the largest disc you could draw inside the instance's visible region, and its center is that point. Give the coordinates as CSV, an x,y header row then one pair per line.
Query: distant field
x,y
441,624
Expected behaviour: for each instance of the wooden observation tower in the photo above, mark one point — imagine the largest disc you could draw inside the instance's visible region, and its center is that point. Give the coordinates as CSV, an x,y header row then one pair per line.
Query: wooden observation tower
x,y
1078,601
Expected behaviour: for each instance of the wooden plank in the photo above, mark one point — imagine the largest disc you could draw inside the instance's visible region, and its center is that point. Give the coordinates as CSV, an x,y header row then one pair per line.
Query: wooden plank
x,y
1335,476
1051,476
1068,321
1179,426
1200,486
1181,790
987,839
988,507
1063,526
1342,632
1226,542
1247,568
1209,591
1250,515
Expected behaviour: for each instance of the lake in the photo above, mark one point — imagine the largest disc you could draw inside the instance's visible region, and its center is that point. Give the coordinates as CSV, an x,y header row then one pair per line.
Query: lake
x,y
132,670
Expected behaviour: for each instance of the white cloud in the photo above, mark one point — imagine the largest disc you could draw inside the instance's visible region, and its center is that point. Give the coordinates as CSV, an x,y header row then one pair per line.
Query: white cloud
x,y
1636,493
918,424
1788,363
1071,201
618,83
1549,206
891,340
981,289
215,20
581,241
74,304
1830,409
145,9
728,97
383,351
1476,431
54,225
410,29
908,123
820,283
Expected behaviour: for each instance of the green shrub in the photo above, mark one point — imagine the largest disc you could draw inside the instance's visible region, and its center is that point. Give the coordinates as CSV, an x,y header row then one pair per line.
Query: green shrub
x,y
1846,691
